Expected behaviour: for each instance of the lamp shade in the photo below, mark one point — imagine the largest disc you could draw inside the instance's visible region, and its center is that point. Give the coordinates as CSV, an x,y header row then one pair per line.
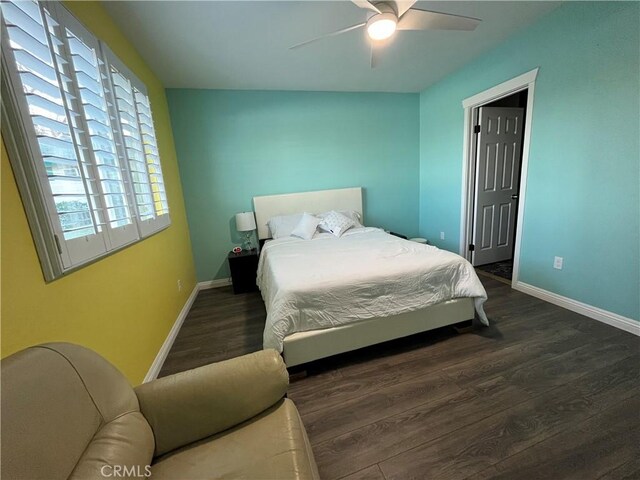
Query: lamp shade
x,y
245,222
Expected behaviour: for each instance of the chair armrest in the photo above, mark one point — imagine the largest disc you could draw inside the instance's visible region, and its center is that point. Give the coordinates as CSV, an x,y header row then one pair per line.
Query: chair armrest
x,y
195,404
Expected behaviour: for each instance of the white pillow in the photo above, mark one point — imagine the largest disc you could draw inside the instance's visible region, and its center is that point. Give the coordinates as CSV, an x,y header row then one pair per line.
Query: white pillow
x,y
306,227
283,225
336,223
352,214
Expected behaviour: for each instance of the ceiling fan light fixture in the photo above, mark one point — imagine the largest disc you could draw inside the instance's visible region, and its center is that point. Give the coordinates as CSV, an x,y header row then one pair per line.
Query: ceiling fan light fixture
x,y
382,26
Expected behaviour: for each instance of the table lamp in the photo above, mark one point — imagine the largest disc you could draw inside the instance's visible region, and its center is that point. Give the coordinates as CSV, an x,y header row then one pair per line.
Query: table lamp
x,y
246,224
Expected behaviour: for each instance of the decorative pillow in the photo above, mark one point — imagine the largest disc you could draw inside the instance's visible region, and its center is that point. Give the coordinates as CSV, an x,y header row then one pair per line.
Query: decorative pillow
x,y
352,214
306,227
336,223
283,225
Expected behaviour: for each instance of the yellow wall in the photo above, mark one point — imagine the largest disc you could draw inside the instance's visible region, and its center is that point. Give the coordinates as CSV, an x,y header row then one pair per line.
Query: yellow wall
x,y
124,305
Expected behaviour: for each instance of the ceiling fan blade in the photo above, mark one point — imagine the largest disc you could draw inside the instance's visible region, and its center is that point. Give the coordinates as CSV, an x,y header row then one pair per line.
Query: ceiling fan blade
x,y
366,5
332,34
403,5
415,19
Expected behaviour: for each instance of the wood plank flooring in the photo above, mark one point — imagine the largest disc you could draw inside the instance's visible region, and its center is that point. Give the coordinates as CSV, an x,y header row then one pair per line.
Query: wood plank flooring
x,y
220,325
541,393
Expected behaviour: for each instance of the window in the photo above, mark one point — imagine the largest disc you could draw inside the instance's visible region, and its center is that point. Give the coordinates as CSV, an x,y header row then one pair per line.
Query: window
x,y
79,130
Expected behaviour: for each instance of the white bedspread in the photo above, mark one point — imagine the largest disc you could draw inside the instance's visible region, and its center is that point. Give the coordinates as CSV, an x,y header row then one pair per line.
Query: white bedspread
x,y
329,281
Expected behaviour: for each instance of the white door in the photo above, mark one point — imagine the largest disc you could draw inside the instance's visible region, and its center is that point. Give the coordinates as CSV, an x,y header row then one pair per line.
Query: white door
x,y
498,156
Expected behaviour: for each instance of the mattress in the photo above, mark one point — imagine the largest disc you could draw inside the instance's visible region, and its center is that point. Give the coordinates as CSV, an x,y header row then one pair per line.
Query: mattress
x,y
328,281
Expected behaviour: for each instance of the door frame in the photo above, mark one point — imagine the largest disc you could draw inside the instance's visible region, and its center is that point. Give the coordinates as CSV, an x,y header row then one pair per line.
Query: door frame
x,y
525,81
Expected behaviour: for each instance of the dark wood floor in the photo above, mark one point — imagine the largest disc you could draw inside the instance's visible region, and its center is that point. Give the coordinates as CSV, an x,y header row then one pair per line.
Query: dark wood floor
x,y
220,325
541,393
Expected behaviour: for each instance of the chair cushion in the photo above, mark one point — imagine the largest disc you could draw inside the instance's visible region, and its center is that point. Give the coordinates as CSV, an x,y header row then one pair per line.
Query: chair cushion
x,y
44,403
196,404
66,413
272,445
121,448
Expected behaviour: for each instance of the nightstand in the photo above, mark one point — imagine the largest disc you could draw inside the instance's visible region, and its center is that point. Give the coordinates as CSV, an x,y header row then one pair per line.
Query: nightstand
x,y
244,268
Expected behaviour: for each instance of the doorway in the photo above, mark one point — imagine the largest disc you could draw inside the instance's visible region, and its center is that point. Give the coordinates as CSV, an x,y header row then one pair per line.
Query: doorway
x,y
497,134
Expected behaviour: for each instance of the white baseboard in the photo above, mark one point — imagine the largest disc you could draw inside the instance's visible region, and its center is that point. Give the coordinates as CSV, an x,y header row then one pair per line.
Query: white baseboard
x,y
604,316
220,282
156,366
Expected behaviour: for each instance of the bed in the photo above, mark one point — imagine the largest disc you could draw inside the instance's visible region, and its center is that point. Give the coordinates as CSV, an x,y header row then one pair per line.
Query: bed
x,y
330,295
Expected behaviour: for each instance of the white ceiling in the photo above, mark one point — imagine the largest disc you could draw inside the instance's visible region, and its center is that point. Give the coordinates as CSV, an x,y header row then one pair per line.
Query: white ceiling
x,y
245,44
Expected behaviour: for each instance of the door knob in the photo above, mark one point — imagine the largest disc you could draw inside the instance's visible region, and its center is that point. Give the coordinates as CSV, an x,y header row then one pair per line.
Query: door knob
x,y
514,196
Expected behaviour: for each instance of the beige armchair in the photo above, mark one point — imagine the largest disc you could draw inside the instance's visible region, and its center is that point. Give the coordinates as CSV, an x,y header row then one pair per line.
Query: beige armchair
x,y
69,414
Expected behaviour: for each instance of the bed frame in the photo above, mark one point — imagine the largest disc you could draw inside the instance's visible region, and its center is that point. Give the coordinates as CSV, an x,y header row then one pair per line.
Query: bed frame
x,y
303,347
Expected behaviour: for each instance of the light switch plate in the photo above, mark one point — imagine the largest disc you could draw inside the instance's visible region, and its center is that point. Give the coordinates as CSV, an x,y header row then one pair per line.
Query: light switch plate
x,y
557,263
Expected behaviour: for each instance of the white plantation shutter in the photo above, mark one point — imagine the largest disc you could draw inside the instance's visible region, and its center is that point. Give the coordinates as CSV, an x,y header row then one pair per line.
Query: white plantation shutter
x,y
107,157
83,152
151,153
133,143
136,123
66,188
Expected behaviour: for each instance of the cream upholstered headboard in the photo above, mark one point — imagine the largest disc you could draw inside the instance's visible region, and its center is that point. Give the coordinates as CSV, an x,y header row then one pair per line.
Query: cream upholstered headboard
x,y
269,206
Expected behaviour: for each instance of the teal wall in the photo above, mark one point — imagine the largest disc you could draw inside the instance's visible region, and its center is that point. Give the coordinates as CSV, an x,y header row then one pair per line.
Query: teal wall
x,y
233,145
583,199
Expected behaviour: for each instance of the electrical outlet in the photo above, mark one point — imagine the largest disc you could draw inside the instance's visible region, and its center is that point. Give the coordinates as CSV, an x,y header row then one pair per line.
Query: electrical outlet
x,y
557,263
179,285
441,235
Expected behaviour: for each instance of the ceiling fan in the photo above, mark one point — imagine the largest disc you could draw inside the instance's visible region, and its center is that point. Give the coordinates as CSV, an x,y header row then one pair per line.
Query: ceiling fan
x,y
386,17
